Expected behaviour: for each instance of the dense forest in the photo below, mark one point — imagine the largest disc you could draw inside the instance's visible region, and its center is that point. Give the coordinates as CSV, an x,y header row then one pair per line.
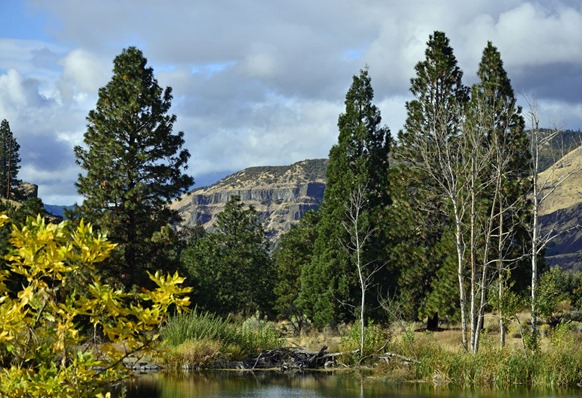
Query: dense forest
x,y
437,223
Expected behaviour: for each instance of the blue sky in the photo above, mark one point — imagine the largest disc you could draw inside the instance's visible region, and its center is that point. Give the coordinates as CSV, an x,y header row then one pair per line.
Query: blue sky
x,y
262,82
22,22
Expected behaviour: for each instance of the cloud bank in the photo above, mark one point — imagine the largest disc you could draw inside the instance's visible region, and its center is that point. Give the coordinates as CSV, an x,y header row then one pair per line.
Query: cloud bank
x,y
263,82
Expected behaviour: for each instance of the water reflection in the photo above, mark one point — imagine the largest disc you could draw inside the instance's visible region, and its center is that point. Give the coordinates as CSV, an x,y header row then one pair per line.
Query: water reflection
x,y
246,384
310,385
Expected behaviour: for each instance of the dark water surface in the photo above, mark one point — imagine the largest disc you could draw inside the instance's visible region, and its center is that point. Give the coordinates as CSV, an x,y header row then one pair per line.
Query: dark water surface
x,y
310,385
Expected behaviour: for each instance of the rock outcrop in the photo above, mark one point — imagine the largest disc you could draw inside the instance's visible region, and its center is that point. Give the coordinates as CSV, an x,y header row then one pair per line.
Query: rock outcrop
x,y
280,194
27,190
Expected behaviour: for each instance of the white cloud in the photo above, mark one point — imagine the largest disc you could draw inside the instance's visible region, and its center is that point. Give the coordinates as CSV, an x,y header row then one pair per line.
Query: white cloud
x,y
533,34
82,75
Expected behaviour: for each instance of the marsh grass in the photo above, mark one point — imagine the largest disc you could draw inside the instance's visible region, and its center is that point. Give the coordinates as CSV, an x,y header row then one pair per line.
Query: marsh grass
x,y
558,363
205,337
435,357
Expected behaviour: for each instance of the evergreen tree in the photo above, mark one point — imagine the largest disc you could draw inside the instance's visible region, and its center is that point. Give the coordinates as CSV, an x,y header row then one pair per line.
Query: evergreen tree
x,y
292,253
428,157
9,160
420,250
359,161
493,110
439,95
230,268
133,165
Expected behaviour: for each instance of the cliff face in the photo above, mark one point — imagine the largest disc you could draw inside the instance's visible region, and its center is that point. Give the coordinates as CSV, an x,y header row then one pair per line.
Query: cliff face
x,y
281,195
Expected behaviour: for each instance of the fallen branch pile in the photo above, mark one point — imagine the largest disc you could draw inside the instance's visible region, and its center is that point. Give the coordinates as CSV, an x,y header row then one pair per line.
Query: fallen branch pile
x,y
291,359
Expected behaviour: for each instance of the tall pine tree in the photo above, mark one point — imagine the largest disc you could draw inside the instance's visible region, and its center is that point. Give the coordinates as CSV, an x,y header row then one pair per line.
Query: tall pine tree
x,y
493,110
133,164
359,161
9,160
428,156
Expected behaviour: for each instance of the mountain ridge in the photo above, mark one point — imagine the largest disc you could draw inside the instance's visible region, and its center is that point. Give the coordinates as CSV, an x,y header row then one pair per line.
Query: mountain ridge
x,y
280,194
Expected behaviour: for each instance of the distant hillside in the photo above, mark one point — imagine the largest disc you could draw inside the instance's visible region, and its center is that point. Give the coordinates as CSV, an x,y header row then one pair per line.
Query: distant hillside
x,y
562,210
567,193
563,143
57,210
280,194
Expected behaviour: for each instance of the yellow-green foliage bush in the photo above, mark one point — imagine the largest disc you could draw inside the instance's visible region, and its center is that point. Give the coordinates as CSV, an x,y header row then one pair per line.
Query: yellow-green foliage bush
x,y
53,326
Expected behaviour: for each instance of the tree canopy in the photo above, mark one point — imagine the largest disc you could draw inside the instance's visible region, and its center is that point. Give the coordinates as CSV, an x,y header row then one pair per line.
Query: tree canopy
x,y
230,268
358,162
133,165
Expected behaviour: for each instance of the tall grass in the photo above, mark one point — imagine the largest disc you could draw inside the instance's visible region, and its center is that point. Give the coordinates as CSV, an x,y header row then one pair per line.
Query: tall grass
x,y
247,339
557,364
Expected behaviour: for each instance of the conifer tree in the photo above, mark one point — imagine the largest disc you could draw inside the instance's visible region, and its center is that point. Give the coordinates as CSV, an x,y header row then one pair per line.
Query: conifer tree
x,y
9,160
359,161
293,252
493,110
230,268
430,155
133,165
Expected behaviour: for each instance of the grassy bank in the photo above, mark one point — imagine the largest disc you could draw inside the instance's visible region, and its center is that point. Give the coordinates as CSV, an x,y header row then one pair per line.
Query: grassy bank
x,y
397,355
199,340
558,362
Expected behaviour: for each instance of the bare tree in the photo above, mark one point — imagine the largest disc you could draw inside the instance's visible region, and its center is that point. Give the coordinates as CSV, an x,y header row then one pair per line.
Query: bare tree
x,y
359,231
543,185
491,135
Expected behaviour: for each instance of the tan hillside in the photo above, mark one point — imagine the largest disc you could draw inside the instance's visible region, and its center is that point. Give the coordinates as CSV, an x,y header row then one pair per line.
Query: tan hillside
x,y
567,193
561,210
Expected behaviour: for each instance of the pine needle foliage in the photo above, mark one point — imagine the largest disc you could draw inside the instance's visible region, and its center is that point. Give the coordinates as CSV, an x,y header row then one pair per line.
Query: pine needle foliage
x,y
133,166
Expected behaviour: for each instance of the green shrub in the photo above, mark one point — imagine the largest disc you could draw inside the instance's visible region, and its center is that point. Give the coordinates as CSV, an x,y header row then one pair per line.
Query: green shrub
x,y
376,339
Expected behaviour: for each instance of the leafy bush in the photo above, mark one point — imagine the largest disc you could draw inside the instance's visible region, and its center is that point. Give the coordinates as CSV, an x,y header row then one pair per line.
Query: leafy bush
x,y
44,349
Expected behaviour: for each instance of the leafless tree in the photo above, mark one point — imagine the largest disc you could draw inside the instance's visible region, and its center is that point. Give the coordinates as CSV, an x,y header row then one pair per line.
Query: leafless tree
x,y
543,185
359,230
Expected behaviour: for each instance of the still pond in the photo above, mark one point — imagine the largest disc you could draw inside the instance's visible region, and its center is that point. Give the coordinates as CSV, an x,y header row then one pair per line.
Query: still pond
x,y
226,384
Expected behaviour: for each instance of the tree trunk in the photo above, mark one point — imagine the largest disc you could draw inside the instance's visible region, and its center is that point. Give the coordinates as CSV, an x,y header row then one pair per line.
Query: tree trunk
x,y
432,322
461,274
534,238
472,249
534,262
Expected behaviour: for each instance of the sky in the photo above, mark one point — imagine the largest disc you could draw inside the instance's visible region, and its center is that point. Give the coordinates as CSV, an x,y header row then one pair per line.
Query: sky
x,y
262,82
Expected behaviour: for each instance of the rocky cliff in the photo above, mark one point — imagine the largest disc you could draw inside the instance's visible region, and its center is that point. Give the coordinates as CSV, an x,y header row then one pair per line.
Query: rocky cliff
x,y
280,194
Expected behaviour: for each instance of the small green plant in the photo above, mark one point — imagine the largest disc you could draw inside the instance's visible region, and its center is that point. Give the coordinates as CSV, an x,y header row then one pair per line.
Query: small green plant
x,y
376,339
